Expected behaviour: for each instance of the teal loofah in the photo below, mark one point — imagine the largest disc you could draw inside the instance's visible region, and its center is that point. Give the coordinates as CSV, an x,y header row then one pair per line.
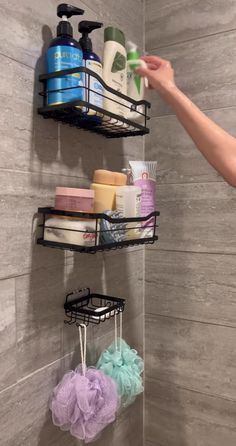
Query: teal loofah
x,y
125,366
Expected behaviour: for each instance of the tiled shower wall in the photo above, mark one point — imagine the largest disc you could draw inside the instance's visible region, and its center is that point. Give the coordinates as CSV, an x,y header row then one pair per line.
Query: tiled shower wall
x,y
191,274
37,155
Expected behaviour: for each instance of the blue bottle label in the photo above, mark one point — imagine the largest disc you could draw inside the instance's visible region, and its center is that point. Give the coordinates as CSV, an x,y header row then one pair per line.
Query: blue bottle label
x,y
63,57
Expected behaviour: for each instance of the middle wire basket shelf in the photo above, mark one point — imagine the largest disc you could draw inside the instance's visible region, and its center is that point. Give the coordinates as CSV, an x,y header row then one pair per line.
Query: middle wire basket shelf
x,y
90,233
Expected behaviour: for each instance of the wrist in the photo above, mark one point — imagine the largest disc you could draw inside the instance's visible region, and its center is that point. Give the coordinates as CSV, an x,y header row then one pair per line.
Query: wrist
x,y
168,91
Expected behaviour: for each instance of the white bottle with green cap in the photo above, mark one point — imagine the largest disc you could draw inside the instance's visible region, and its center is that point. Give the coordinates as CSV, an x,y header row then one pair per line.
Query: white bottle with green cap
x,y
114,69
135,83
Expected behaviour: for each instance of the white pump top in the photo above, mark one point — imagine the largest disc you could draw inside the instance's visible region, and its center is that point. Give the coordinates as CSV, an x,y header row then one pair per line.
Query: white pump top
x,y
131,47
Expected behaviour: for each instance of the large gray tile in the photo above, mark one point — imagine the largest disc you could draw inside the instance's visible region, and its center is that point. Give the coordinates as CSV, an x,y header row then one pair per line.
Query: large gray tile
x,y
190,354
118,273
196,217
178,159
199,72
32,422
21,195
27,404
172,21
39,306
191,286
103,273
179,417
40,297
127,430
8,367
122,15
149,443
31,28
31,143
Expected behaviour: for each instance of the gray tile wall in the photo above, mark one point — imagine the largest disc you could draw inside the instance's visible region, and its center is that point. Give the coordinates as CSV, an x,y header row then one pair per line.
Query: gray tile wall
x,y
37,155
190,275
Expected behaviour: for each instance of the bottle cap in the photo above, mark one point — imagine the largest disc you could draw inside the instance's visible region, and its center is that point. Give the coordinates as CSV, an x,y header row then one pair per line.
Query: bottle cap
x,y
115,34
65,11
86,27
132,51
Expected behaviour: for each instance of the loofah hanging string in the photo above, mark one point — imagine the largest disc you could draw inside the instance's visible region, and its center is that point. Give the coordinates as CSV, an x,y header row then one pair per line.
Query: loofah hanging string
x,y
83,347
124,365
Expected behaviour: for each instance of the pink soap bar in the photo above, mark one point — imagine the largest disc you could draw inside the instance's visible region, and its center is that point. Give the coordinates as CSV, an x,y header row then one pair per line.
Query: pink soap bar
x,y
71,199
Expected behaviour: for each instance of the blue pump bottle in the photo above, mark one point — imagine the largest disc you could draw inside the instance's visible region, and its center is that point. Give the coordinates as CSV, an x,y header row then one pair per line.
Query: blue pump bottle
x,y
92,62
63,53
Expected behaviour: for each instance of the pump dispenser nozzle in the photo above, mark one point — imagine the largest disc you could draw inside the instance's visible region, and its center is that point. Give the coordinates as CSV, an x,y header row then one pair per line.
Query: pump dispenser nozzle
x,y
85,28
132,51
65,11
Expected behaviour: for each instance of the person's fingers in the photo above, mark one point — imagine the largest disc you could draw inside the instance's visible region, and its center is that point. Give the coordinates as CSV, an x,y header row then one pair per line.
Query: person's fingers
x,y
142,71
148,74
155,60
151,66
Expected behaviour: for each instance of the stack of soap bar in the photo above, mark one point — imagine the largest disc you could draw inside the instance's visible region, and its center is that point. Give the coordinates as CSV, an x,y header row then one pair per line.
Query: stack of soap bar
x,y
70,230
105,185
71,199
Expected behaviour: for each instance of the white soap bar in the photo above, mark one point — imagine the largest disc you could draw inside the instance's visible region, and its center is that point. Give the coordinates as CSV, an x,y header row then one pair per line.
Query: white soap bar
x,y
99,310
71,230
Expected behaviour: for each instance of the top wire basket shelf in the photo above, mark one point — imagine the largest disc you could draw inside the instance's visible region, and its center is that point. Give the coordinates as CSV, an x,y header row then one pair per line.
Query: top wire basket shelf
x,y
85,114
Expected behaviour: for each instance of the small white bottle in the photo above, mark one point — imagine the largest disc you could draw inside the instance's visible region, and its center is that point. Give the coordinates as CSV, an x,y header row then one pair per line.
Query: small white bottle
x,y
115,69
135,83
128,203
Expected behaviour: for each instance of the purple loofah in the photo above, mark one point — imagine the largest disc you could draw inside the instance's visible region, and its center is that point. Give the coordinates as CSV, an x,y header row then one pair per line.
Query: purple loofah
x,y
85,401
84,405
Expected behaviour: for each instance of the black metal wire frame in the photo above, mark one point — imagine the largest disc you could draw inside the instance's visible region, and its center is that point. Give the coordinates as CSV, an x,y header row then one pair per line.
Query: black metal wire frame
x,y
109,124
81,307
151,220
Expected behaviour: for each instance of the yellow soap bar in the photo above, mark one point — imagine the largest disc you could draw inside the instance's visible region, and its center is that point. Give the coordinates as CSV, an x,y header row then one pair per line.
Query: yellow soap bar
x,y
102,176
105,197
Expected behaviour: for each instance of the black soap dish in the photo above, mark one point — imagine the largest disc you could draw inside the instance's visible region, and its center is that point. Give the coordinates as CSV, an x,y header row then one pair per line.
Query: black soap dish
x,y
84,307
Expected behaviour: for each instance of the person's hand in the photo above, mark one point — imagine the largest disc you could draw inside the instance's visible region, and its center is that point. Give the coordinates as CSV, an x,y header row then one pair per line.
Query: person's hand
x,y
159,73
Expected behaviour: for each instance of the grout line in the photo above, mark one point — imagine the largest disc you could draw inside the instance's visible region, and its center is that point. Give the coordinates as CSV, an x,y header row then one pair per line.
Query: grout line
x,y
219,253
193,39
233,327
17,61
144,341
196,182
33,271
40,173
65,262
204,110
212,395
220,181
25,378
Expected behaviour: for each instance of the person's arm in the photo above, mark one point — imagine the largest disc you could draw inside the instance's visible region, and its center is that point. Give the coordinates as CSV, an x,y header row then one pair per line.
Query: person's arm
x,y
217,146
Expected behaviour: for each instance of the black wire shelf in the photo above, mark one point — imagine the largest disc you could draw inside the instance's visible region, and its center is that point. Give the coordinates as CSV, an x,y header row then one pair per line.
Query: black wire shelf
x,y
103,232
84,307
78,113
